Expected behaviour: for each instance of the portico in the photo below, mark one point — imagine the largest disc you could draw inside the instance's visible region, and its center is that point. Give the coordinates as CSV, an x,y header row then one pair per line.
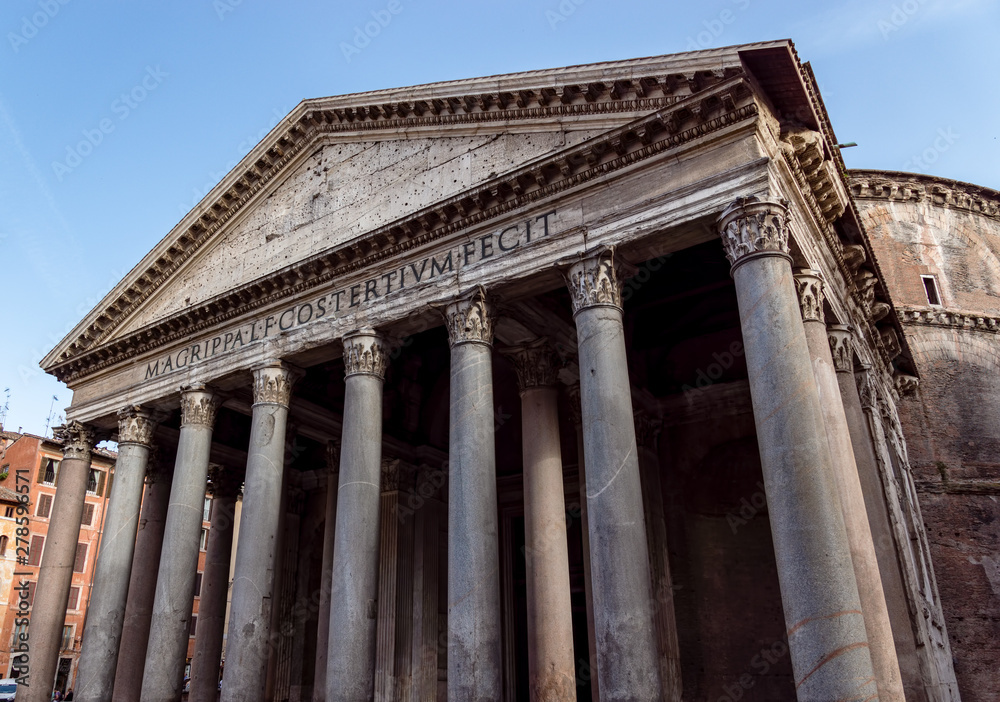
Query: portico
x,y
399,369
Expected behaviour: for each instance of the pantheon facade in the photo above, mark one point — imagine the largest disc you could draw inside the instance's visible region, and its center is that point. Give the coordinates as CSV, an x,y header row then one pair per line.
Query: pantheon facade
x,y
570,384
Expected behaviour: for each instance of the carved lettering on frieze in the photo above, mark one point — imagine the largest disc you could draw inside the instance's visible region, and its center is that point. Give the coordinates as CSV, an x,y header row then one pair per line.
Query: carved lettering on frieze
x,y
135,426
470,319
365,354
77,439
272,384
840,348
198,406
809,287
536,363
752,227
596,281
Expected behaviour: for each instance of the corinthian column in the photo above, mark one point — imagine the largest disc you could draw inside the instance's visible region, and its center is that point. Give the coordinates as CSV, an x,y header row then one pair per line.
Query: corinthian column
x,y
166,652
225,486
106,612
55,576
551,668
623,614
350,672
473,549
825,626
253,576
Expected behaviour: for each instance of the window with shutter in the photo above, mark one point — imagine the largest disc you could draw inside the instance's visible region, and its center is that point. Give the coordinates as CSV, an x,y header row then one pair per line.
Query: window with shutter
x,y
67,638
3,545
88,515
197,584
101,476
44,506
194,624
81,558
74,598
35,550
31,593
48,471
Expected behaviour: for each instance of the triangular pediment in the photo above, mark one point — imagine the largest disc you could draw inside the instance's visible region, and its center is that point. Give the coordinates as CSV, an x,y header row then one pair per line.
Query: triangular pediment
x,y
342,169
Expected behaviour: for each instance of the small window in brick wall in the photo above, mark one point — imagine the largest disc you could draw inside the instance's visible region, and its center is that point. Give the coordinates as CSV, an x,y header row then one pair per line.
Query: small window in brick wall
x,y
931,288
74,598
88,515
80,562
44,506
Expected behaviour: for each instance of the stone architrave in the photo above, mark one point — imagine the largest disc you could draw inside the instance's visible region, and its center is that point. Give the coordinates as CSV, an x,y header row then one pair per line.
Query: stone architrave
x,y
224,484
163,677
623,616
247,646
825,625
474,649
55,575
551,666
142,583
106,612
350,672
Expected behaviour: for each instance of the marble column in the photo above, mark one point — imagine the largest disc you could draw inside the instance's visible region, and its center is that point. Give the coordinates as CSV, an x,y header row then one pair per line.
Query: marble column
x,y
427,644
473,547
623,613
163,677
825,625
576,411
551,667
247,647
48,611
142,582
647,431
326,574
224,484
350,668
95,677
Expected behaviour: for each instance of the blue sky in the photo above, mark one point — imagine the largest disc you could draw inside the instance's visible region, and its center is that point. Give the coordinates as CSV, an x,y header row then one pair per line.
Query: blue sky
x,y
170,96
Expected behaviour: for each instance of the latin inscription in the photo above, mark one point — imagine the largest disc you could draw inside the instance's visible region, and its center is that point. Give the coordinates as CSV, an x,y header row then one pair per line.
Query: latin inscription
x,y
355,297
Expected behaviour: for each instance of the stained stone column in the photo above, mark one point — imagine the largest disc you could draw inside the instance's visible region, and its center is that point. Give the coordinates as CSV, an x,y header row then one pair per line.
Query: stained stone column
x,y
350,672
253,573
576,412
623,614
647,431
95,677
825,626
551,667
473,547
55,575
171,621
326,574
142,583
224,484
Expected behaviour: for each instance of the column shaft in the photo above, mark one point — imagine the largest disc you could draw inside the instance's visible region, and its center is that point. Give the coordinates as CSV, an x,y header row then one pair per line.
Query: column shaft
x,y
142,586
826,633
473,549
326,574
48,611
623,614
426,642
214,593
247,647
106,611
166,652
350,672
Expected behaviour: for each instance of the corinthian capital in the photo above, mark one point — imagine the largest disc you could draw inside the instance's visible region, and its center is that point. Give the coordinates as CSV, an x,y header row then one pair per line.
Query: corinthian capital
x,y
596,281
536,364
470,319
365,354
752,227
77,439
272,383
809,287
198,406
840,347
135,426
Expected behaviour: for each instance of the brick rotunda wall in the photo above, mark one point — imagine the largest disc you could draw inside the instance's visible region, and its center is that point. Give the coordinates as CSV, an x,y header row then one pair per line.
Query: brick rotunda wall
x,y
923,226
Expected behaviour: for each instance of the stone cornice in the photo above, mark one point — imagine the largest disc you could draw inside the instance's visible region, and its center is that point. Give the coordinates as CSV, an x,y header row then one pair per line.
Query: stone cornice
x,y
725,103
915,187
940,317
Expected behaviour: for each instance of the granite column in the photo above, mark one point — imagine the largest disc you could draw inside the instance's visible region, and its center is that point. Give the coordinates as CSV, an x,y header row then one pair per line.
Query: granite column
x,y
473,548
623,614
166,652
326,572
825,625
350,671
253,578
106,611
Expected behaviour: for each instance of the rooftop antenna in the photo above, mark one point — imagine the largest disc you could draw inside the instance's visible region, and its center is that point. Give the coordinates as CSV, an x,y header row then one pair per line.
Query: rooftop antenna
x,y
6,406
48,420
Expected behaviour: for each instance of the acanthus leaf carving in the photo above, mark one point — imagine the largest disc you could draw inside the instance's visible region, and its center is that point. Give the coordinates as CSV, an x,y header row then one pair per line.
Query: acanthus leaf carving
x,y
750,226
470,318
595,281
365,354
272,383
77,439
536,363
198,406
809,287
135,426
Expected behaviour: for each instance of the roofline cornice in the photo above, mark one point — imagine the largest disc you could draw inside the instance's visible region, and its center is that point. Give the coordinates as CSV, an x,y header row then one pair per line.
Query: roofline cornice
x,y
868,184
